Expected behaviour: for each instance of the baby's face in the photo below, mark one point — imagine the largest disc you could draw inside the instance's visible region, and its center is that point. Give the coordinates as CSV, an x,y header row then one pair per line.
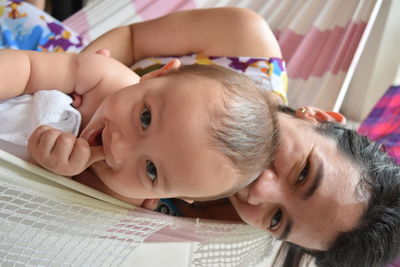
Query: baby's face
x,y
156,140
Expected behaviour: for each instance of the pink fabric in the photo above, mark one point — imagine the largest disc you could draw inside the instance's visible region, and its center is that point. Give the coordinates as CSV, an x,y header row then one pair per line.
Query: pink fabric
x,y
348,47
150,9
318,44
79,23
289,41
319,52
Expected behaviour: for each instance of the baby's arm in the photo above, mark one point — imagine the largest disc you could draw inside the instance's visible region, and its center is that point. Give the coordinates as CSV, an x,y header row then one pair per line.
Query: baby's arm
x,y
26,72
219,32
91,75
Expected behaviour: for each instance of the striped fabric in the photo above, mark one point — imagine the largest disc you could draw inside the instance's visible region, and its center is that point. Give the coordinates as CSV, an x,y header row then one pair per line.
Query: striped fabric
x,y
383,123
318,45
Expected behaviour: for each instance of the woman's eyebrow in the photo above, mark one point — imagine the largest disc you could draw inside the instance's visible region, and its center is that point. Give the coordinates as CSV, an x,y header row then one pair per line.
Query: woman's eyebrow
x,y
317,181
309,193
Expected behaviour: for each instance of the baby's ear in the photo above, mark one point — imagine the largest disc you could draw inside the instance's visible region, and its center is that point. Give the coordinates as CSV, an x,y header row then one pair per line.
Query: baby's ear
x,y
104,52
170,66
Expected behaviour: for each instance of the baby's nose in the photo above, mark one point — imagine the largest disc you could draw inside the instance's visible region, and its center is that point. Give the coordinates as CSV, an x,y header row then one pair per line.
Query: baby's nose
x,y
118,149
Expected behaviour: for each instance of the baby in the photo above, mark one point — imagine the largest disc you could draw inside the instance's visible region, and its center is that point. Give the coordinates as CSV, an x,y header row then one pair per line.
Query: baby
x,y
194,132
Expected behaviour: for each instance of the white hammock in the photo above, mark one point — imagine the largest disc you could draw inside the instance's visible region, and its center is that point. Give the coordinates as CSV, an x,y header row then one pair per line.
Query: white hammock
x,y
49,220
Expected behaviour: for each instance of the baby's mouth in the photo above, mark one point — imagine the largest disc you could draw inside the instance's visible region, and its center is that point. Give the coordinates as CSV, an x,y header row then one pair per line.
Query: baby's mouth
x,y
96,138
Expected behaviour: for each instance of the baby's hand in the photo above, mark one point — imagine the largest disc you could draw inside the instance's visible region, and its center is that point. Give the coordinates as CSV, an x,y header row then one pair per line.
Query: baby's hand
x,y
61,152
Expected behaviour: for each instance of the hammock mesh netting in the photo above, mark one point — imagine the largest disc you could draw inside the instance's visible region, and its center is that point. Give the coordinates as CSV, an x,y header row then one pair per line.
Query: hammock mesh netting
x,y
45,223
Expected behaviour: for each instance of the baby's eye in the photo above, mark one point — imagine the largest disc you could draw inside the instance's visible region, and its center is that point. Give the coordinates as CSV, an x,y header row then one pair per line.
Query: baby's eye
x,y
151,170
304,174
145,118
276,220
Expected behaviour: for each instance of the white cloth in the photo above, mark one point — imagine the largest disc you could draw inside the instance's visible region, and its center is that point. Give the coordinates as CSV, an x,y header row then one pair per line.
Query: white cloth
x,y
21,115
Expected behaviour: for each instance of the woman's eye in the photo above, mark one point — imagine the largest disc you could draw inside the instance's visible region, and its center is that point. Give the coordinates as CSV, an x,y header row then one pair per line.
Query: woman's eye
x,y
275,220
304,174
151,170
145,118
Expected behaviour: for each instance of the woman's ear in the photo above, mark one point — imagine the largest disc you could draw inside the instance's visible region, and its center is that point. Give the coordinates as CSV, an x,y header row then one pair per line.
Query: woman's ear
x,y
319,115
170,66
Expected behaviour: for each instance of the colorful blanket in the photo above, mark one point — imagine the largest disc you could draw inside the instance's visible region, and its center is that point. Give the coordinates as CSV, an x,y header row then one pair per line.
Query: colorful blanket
x,y
22,26
383,123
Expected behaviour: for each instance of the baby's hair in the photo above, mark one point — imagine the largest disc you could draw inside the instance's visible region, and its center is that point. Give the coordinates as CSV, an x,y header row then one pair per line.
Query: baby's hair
x,y
245,128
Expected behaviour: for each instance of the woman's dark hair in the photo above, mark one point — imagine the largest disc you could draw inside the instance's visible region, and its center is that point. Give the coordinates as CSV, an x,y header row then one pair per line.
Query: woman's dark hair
x,y
376,239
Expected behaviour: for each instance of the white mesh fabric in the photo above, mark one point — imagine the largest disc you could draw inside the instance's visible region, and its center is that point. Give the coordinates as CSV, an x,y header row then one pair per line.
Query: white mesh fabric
x,y
40,230
43,223
239,246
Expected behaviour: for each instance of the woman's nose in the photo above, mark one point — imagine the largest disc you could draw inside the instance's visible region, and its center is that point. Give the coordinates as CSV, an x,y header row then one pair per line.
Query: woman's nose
x,y
266,189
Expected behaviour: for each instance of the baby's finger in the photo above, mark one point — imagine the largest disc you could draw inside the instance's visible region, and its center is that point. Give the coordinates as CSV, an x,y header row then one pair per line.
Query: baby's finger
x,y
84,155
36,134
96,154
79,156
48,138
63,146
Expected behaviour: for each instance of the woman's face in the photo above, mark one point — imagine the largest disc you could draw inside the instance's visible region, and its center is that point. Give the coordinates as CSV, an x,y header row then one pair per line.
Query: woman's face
x,y
308,196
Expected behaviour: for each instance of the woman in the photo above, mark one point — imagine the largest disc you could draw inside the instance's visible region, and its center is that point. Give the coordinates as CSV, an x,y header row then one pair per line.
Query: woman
x,y
328,189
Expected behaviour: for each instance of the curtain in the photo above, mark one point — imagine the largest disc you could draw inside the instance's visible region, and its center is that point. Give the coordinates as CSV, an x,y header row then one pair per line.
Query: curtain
x,y
320,39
